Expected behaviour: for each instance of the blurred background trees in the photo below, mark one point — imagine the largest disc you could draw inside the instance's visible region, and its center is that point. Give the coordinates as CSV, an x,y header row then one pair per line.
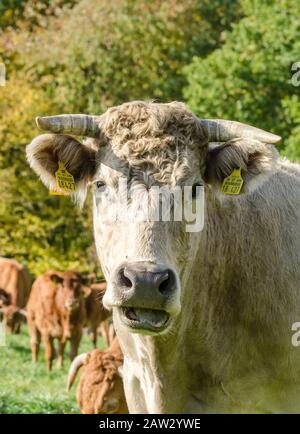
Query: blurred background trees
x,y
249,76
224,58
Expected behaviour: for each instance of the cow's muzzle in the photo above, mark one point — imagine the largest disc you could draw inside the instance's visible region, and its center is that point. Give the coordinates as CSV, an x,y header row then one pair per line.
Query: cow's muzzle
x,y
146,296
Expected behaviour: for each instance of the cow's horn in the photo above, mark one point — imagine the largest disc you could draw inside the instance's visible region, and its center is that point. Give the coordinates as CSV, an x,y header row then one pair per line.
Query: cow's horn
x,y
78,125
75,365
219,130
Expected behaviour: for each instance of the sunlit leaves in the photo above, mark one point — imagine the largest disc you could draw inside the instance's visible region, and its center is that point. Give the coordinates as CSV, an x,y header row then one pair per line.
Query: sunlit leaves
x,y
249,77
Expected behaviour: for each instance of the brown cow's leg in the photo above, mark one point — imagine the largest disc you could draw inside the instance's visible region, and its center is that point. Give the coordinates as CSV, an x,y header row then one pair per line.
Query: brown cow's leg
x,y
49,351
94,336
60,353
75,341
17,326
104,327
35,339
8,329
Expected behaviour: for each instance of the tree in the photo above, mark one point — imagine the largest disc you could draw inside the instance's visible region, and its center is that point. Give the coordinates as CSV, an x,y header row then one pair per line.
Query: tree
x,y
10,11
104,53
249,77
40,230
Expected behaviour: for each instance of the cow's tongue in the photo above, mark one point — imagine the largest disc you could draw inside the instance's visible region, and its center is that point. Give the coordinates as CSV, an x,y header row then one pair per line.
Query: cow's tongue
x,y
155,318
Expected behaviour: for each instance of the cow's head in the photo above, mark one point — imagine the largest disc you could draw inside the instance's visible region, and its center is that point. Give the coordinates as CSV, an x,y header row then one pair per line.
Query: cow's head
x,y
69,289
13,317
146,145
100,390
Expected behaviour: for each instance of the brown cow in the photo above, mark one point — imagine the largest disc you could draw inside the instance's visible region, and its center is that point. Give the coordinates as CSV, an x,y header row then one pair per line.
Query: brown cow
x,y
13,317
15,280
15,286
56,310
97,315
100,389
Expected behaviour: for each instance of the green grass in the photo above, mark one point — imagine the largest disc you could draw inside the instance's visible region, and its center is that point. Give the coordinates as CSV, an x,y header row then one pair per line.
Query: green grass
x,y
29,388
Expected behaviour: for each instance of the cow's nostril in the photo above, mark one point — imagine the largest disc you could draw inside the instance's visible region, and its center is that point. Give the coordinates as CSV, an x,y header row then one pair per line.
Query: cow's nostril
x,y
164,286
125,281
167,284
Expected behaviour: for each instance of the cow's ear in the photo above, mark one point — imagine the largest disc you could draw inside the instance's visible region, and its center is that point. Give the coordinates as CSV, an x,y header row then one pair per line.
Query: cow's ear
x,y
46,150
54,277
251,156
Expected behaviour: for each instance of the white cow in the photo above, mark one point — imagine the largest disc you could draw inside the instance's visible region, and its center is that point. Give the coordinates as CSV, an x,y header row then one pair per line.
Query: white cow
x,y
204,318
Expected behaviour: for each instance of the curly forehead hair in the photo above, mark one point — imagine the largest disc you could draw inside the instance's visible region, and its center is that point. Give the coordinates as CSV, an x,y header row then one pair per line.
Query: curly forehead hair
x,y
106,365
149,133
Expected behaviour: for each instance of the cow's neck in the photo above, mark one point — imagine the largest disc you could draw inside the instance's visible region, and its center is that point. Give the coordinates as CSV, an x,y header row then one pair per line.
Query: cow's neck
x,y
155,372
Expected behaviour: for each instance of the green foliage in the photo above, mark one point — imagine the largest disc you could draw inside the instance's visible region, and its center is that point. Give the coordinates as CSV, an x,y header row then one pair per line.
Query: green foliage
x,y
10,10
126,51
37,229
104,53
249,77
15,12
217,16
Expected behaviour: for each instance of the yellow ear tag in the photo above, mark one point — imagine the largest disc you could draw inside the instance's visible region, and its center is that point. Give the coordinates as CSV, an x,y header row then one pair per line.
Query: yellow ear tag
x,y
65,181
57,192
233,183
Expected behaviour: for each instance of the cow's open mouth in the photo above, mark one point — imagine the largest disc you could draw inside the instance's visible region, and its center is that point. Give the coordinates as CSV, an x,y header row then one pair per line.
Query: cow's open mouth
x,y
145,319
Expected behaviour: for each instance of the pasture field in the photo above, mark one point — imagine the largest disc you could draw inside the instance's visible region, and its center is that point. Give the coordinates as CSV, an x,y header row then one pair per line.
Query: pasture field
x,y
29,388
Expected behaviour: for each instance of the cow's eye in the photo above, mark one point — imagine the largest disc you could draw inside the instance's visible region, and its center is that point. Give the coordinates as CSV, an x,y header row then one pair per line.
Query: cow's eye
x,y
100,185
194,189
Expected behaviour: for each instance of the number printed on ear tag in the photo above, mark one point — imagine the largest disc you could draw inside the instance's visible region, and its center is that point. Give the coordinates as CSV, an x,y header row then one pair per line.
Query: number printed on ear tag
x,y
233,183
65,181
